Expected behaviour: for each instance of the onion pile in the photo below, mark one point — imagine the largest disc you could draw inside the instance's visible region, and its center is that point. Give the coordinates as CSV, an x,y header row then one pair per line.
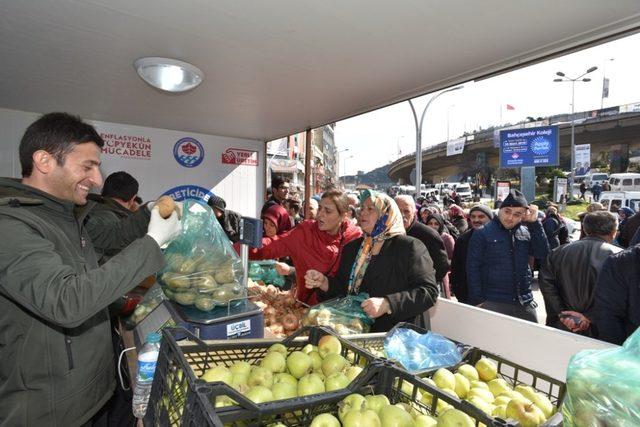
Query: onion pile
x,y
282,312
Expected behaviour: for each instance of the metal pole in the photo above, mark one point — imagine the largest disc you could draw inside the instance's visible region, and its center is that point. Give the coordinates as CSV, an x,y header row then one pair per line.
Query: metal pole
x,y
573,149
307,172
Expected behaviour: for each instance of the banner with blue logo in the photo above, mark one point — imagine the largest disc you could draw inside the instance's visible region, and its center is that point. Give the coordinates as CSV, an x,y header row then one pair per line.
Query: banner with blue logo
x,y
183,192
523,147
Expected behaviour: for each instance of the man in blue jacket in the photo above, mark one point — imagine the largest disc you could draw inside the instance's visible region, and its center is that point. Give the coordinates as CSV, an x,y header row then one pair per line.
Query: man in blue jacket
x,y
498,273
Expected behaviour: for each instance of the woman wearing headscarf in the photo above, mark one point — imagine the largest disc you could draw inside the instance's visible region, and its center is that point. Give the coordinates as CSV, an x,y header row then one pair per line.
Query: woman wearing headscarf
x,y
624,213
313,244
436,222
394,269
458,219
276,221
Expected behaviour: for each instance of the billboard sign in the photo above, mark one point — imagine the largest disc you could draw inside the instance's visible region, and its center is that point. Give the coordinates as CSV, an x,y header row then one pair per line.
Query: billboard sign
x,y
524,147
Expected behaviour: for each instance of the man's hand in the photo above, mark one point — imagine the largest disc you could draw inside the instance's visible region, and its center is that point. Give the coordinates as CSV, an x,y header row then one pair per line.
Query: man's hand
x,y
375,307
314,279
282,268
532,214
574,321
162,230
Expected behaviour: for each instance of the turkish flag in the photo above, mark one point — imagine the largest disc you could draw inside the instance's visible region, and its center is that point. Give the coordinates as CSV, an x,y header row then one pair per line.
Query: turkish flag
x,y
510,107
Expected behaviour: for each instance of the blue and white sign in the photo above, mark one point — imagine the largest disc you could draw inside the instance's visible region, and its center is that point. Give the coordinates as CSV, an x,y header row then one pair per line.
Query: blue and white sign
x,y
524,147
189,192
188,152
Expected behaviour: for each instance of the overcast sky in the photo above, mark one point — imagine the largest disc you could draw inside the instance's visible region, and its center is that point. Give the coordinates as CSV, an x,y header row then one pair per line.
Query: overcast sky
x,y
379,137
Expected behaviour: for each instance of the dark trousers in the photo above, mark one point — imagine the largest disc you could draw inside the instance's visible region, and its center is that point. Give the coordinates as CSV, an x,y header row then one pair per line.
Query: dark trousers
x,y
514,310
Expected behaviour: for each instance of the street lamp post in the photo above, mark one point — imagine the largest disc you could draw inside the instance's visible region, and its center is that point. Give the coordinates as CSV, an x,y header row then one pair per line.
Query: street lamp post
x,y
419,136
563,78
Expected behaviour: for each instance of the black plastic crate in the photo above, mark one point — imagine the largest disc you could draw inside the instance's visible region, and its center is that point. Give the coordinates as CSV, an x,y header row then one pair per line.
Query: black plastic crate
x,y
381,378
180,366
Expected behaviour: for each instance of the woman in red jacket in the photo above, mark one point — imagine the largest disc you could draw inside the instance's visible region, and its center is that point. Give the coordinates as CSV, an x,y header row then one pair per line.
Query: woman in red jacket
x,y
315,244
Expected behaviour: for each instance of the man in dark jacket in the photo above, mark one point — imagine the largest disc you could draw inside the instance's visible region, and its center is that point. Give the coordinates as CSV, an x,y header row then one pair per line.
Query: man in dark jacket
x,y
427,235
554,228
56,358
617,306
229,220
279,192
479,216
498,270
568,277
628,232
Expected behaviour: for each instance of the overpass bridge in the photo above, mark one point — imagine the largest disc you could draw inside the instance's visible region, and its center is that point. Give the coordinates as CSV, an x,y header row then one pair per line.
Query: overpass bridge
x,y
614,135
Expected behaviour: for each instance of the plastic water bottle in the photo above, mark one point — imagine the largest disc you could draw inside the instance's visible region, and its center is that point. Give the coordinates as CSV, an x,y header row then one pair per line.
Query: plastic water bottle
x,y
147,359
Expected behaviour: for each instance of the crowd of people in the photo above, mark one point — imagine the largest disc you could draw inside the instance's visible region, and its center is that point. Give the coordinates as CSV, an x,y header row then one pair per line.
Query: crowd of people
x,y
479,256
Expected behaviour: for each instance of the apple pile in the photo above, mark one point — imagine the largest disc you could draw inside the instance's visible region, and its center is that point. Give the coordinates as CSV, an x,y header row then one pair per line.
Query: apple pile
x,y
357,410
282,312
481,387
281,374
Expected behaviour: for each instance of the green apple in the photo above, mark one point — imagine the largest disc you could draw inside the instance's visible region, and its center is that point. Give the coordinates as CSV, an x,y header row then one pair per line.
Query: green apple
x,y
376,402
444,378
218,373
259,394
487,369
408,388
482,394
361,418
329,344
441,406
240,368
309,348
516,394
393,416
260,376
284,390
352,372
336,381
500,411
450,392
463,385
499,386
240,381
479,384
325,420
469,371
333,363
299,364
274,361
481,404
316,360
503,399
283,377
222,401
425,421
310,384
525,412
349,403
455,418
540,400
280,348
320,374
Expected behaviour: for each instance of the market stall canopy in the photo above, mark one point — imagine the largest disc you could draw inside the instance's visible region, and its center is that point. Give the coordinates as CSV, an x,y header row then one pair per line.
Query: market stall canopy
x,y
273,68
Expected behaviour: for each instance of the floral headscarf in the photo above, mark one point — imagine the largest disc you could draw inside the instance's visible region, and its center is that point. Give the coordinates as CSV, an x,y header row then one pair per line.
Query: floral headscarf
x,y
388,225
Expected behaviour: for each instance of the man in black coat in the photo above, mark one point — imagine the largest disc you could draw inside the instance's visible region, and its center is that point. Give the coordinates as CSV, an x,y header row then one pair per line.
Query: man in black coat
x,y
617,306
427,235
229,220
479,216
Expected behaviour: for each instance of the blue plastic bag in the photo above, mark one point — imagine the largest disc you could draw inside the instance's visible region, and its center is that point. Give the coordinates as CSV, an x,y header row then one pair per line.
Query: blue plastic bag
x,y
418,352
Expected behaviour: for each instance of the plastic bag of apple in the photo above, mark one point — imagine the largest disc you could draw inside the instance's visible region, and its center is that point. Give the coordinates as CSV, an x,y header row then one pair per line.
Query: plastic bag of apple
x,y
282,312
343,315
603,386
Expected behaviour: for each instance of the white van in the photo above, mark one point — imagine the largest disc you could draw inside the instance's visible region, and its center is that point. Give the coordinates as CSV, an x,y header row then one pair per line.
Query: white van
x,y
614,200
464,191
625,181
596,178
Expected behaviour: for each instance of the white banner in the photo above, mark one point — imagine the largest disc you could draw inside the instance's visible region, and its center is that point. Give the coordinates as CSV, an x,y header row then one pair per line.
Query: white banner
x,y
455,146
582,159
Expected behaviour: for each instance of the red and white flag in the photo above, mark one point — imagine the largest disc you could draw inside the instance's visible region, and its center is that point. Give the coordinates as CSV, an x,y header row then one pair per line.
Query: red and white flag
x,y
510,107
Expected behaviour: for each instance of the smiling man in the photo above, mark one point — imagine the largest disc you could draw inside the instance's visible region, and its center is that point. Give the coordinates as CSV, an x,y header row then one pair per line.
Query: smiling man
x,y
498,273
56,356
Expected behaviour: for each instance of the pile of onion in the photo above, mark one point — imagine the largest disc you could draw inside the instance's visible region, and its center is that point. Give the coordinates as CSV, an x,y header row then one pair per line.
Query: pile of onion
x,y
282,312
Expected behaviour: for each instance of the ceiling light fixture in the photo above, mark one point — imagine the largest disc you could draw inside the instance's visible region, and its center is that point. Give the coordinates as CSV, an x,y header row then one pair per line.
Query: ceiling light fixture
x,y
168,74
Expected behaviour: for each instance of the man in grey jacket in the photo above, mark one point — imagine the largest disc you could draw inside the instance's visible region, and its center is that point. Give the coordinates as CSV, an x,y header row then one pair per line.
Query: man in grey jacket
x,y
56,357
568,277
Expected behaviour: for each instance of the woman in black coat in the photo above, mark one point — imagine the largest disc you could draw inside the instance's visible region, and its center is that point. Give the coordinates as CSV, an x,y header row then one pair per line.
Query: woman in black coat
x,y
394,269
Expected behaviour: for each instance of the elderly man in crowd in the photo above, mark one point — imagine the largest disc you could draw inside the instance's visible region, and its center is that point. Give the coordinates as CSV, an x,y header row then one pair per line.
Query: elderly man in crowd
x,y
498,272
568,277
427,235
479,215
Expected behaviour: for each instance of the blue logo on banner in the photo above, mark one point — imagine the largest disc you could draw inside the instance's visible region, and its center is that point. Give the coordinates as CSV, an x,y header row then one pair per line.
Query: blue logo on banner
x,y
188,192
540,146
188,152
